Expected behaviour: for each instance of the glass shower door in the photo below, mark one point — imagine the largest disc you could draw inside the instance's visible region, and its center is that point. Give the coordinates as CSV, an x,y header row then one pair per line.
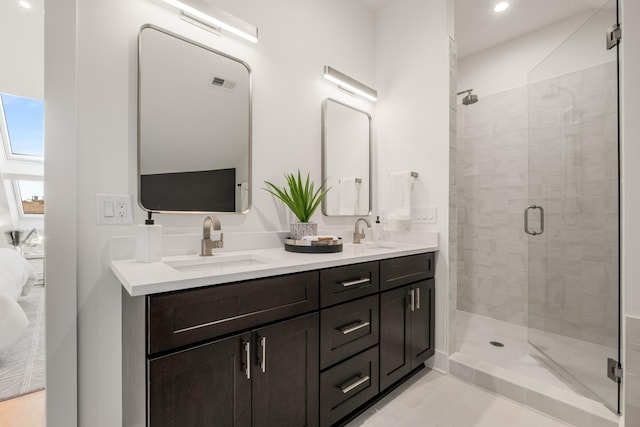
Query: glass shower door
x,y
573,218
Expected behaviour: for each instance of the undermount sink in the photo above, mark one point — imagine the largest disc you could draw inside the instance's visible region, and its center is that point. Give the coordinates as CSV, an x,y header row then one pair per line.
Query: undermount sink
x,y
218,263
374,246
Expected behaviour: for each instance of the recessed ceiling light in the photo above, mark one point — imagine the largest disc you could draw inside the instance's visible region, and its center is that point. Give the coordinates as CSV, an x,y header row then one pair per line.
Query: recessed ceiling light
x,y
25,4
501,7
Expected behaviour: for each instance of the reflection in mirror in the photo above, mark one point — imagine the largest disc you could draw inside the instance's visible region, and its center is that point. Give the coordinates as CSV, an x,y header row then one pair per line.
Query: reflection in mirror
x,y
194,135
346,159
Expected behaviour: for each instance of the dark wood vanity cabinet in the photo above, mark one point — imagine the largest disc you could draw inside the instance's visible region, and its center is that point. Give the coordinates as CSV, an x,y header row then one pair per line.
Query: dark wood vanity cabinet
x,y
185,388
303,349
407,317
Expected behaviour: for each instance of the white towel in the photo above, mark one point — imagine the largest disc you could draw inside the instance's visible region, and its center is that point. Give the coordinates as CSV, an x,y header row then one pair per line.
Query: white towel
x,y
244,196
348,196
400,186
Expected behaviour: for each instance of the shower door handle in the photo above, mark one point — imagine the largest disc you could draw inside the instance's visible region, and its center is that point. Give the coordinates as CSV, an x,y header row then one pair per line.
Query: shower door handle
x,y
526,220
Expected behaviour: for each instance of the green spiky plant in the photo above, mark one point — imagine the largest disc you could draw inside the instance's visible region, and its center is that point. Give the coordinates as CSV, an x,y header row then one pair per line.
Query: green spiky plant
x,y
302,198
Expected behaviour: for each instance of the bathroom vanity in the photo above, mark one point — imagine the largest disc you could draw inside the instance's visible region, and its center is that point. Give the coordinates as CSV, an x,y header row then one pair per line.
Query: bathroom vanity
x,y
283,340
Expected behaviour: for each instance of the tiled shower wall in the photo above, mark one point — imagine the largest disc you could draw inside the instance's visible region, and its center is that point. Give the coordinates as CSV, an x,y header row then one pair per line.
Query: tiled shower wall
x,y
573,289
492,193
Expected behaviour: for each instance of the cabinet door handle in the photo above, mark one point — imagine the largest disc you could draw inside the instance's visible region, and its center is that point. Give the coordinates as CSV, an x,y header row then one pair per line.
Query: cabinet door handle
x,y
247,354
263,362
412,299
346,388
353,327
417,298
349,283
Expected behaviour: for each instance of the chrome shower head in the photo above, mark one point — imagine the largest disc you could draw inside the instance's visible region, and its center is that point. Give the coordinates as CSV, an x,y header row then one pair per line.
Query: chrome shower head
x,y
470,98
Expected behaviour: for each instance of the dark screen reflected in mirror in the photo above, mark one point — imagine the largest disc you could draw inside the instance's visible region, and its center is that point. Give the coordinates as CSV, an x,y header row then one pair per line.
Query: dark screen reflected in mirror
x,y
194,142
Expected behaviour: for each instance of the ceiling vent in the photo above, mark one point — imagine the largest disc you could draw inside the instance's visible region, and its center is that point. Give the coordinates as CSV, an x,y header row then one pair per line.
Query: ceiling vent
x,y
222,82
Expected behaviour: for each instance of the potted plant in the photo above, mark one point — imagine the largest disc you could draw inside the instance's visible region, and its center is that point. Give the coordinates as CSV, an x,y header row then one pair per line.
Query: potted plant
x,y
303,199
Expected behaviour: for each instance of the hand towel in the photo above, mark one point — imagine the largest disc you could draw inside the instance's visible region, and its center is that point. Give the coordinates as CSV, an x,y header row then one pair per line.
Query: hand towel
x,y
347,196
244,196
400,186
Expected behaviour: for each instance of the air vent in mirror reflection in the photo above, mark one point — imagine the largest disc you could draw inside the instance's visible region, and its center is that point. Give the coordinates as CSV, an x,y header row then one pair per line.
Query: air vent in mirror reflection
x,y
221,82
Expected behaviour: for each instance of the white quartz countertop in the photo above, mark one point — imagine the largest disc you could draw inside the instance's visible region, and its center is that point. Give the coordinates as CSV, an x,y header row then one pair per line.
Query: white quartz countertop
x,y
191,271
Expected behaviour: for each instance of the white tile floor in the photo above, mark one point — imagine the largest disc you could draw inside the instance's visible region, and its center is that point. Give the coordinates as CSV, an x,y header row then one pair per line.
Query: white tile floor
x,y
431,399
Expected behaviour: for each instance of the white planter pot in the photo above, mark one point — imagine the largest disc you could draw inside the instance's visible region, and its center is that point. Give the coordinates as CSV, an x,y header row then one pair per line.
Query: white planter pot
x,y
301,229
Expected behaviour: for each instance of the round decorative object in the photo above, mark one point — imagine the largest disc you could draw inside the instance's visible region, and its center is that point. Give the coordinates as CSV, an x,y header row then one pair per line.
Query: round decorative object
x,y
301,229
313,247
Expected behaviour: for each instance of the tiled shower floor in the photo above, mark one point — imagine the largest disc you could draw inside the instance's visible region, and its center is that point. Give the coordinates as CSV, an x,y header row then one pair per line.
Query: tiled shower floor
x,y
585,361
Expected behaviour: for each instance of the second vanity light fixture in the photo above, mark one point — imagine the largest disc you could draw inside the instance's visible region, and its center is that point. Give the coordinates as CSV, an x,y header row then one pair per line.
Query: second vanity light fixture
x,y
208,15
349,84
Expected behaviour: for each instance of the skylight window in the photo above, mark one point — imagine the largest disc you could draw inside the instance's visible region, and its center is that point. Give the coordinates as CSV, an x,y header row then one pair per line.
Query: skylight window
x,y
24,119
31,195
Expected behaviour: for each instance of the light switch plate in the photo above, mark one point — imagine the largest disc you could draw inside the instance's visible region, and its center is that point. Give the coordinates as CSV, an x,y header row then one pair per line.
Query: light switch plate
x,y
114,209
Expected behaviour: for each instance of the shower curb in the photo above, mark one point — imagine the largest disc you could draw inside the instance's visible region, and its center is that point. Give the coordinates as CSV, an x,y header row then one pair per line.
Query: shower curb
x,y
560,404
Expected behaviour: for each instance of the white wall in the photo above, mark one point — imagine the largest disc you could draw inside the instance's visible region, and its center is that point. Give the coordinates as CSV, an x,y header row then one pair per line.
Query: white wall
x,y
288,91
507,65
412,117
630,66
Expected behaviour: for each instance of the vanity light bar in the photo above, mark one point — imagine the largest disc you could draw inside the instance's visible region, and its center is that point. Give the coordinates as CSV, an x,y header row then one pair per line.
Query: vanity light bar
x,y
194,9
349,83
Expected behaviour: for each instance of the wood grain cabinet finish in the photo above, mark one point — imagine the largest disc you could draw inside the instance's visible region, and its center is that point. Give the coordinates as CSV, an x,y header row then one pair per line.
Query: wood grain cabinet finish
x,y
407,317
269,377
347,329
202,386
347,386
340,284
397,272
187,317
286,374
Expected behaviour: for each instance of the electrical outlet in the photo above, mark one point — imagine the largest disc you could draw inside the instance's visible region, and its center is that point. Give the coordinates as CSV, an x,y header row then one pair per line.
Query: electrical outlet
x,y
114,209
424,214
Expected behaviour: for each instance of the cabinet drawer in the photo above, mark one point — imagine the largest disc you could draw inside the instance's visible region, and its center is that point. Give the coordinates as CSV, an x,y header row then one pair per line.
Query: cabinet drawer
x,y
347,386
348,282
401,271
347,329
186,317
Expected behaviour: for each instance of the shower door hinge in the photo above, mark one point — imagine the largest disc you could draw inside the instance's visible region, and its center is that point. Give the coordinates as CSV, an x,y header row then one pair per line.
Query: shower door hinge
x,y
614,35
614,370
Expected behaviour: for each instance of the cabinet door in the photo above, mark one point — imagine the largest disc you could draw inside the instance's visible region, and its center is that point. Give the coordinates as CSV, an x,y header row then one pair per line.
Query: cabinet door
x,y
286,373
202,386
395,333
422,322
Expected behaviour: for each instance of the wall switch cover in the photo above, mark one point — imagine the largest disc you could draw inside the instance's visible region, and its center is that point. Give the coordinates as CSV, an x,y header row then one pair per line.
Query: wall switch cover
x,y
114,209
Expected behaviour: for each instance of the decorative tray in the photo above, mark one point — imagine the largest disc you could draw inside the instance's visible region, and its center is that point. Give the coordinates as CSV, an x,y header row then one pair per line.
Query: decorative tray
x,y
324,246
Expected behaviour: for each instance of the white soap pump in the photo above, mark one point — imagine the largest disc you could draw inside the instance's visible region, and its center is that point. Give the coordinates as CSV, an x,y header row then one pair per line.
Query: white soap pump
x,y
149,241
378,231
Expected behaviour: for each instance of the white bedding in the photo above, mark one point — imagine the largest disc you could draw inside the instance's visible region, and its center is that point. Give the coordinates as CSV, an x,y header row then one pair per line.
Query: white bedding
x,y
17,277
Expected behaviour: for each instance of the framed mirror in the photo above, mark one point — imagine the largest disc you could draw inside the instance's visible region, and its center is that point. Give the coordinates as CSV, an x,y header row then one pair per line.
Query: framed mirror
x,y
346,159
194,126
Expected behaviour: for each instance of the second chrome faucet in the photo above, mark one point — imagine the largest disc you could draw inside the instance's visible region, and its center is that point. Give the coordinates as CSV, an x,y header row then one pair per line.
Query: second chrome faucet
x,y
206,244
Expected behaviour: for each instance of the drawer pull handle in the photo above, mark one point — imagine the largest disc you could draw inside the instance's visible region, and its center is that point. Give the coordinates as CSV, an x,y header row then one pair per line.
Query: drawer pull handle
x,y
412,299
417,298
358,382
353,327
247,353
349,283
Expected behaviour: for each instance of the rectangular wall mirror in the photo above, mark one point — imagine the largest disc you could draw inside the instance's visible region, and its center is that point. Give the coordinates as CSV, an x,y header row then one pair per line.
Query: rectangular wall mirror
x,y
346,159
194,126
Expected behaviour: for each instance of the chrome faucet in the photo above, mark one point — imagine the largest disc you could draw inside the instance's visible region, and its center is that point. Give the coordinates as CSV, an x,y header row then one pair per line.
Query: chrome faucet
x,y
357,235
206,244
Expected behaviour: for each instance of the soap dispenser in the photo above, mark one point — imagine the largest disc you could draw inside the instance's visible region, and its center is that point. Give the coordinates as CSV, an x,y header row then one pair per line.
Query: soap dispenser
x,y
149,241
378,230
